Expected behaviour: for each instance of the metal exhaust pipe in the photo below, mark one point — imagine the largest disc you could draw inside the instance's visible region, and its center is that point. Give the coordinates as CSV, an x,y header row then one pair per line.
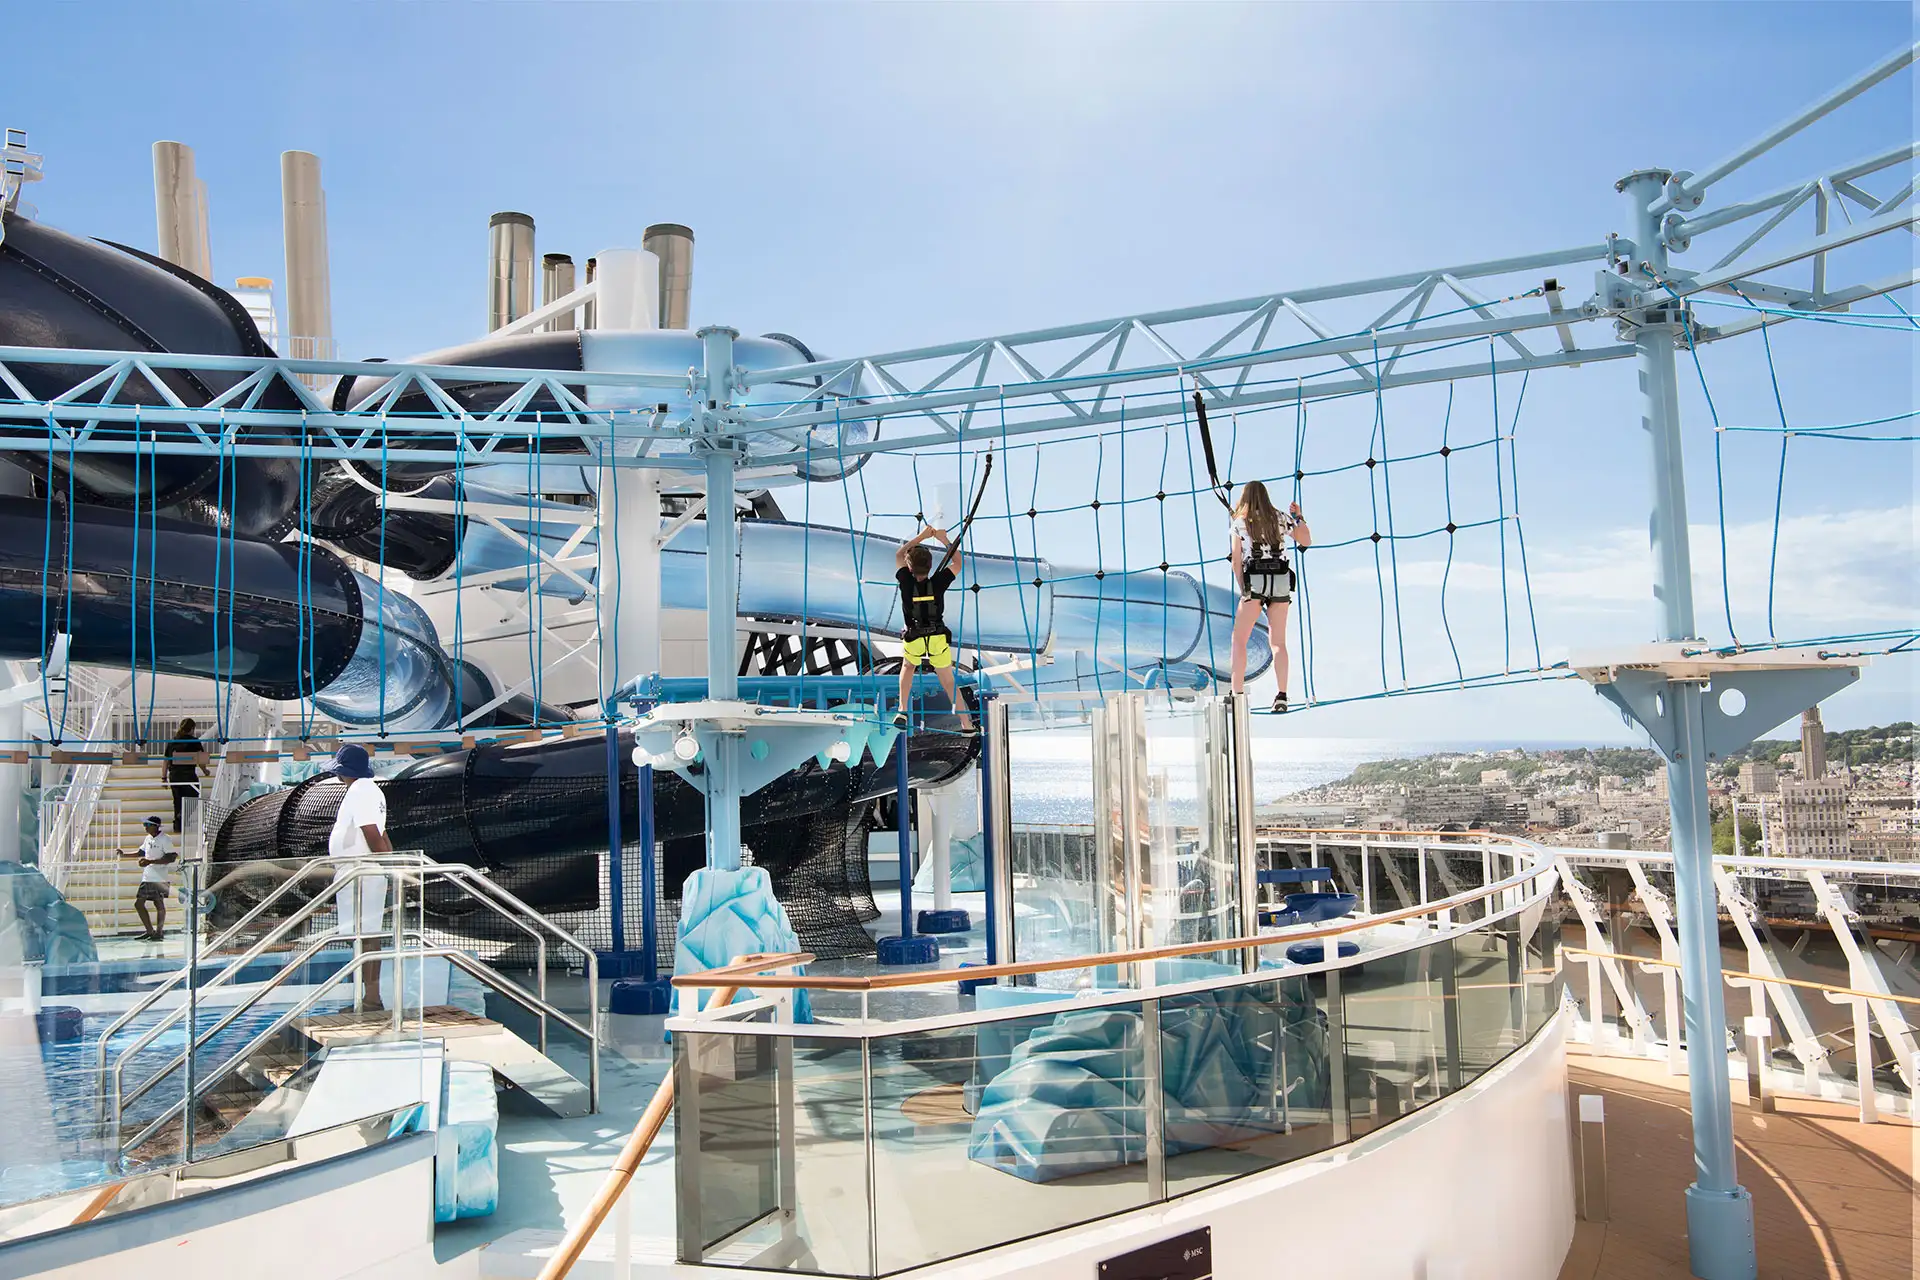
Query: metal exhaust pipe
x,y
556,281
592,318
510,265
303,205
180,209
672,244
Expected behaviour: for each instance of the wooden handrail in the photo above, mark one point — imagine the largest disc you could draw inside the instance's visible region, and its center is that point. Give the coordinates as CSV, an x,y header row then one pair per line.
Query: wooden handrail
x,y
623,1169
1743,976
887,981
97,1205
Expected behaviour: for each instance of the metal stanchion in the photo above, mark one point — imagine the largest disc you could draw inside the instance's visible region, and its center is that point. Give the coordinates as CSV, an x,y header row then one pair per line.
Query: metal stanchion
x,y
1759,1088
1593,1158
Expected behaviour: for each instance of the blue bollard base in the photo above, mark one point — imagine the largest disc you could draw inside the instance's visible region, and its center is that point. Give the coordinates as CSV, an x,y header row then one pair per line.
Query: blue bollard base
x,y
1720,1234
620,964
638,996
970,985
952,920
917,949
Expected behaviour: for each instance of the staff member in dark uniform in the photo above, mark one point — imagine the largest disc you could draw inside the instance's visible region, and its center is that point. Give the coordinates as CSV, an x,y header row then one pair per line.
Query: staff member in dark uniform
x,y
184,768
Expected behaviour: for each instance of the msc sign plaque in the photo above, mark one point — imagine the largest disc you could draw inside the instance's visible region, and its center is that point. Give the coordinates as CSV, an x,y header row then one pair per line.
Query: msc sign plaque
x,y
1185,1257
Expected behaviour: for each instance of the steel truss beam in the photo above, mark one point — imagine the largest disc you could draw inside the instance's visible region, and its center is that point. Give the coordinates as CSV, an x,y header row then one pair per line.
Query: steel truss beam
x,y
1273,349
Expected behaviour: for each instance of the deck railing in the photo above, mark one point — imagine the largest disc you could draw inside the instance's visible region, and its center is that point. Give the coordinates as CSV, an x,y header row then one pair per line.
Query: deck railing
x,y
843,1147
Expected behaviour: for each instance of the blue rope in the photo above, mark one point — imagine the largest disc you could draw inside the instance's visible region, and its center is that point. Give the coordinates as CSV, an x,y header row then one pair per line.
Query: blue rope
x,y
1500,494
1199,540
1719,474
1386,484
1446,574
1520,529
133,596
1300,474
380,577
46,572
1780,483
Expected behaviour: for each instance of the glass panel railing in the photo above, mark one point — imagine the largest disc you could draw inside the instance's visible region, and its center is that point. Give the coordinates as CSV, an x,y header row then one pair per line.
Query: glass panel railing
x,y
1392,1026
772,1152
1032,1124
1244,1079
1488,1017
875,1150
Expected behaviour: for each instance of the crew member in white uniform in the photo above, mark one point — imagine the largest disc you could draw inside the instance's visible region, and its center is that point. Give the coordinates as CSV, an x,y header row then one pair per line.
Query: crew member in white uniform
x,y
156,853
360,829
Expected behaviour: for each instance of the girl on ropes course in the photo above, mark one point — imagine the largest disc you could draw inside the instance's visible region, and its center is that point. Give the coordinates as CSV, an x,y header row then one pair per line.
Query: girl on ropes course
x,y
1266,578
923,605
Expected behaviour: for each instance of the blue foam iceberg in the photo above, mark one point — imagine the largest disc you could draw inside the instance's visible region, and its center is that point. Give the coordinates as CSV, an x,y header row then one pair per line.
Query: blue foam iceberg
x,y
966,867
37,923
728,914
1070,1102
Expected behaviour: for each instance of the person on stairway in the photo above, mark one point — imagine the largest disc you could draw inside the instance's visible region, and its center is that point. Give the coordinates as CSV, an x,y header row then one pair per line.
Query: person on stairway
x,y
923,606
359,831
1265,574
156,854
184,769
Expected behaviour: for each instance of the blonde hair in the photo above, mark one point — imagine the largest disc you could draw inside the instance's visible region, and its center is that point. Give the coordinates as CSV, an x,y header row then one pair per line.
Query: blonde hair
x,y
1255,511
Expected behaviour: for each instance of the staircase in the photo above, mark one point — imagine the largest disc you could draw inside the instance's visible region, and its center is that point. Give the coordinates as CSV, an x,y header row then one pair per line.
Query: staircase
x,y
98,882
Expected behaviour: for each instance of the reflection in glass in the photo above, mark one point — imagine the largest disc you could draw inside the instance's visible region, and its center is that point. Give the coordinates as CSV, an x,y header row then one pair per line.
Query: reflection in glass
x,y
990,1134
1392,1023
771,1152
1245,1082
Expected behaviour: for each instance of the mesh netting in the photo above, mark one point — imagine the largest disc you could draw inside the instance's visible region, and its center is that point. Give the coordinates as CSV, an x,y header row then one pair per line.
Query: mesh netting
x,y
817,863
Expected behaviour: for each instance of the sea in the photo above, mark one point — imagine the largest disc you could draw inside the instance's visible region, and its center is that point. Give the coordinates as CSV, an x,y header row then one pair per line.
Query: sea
x,y
1052,771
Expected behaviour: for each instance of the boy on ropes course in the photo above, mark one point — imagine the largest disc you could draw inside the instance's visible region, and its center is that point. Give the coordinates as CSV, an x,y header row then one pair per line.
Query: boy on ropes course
x,y
923,605
1266,578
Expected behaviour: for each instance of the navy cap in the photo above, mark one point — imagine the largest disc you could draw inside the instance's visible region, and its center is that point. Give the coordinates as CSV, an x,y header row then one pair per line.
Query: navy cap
x,y
352,761
154,823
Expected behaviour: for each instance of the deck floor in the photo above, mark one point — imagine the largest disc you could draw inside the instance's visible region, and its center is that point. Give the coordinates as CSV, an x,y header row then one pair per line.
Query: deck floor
x,y
1833,1199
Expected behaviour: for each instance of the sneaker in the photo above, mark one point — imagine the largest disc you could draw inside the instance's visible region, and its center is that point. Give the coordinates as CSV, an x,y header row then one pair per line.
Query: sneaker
x,y
1280,703
900,720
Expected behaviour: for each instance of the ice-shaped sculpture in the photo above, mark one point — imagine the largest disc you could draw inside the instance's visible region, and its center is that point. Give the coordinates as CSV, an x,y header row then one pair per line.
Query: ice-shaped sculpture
x,y
37,923
728,914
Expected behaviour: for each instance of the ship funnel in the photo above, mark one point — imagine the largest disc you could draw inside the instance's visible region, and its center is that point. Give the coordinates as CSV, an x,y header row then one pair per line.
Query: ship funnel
x,y
556,282
509,268
672,244
180,209
303,209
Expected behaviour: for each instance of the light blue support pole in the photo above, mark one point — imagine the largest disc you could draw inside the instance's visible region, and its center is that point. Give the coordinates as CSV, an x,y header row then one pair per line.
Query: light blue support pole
x,y
723,593
1719,1210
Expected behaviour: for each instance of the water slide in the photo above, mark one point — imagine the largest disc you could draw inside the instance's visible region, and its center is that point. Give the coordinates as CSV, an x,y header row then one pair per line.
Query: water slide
x,y
173,562
177,564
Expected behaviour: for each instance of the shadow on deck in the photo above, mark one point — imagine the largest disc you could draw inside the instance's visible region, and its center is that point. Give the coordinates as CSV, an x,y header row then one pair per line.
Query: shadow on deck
x,y
1832,1198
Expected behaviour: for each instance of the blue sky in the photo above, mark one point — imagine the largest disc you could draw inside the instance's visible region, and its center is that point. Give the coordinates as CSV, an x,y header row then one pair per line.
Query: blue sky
x,y
876,176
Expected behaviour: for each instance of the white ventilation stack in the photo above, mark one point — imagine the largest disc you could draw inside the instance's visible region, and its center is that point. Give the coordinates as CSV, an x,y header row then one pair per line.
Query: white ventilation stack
x,y
180,209
672,244
556,282
303,210
510,268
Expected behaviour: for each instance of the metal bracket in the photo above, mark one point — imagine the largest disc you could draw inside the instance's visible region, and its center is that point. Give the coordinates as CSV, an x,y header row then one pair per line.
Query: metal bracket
x,y
1747,693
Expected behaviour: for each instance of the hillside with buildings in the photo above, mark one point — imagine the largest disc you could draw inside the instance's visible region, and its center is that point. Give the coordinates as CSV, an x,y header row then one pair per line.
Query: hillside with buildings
x,y
1839,795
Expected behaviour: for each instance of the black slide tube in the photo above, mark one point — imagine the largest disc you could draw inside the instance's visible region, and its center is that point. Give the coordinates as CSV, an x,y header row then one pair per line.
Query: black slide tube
x,y
154,594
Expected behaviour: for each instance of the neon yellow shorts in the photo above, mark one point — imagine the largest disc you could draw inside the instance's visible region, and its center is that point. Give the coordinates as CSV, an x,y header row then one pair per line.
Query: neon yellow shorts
x,y
933,650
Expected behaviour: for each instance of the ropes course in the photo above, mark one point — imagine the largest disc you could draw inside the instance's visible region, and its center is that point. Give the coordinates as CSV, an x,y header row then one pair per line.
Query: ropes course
x,y
1400,392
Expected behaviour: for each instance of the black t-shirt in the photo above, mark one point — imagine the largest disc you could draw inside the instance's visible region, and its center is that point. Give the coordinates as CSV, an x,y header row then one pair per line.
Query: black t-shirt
x,y
923,604
180,765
